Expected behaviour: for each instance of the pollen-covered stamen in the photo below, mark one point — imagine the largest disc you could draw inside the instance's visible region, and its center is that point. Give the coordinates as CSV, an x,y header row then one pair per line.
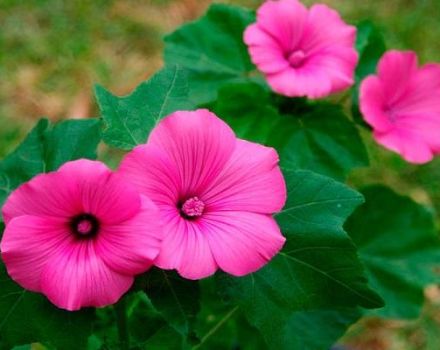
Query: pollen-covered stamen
x,y
84,225
296,58
193,207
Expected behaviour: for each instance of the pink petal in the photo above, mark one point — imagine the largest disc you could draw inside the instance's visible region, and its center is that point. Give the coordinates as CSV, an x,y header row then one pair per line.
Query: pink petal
x,y
338,63
424,126
264,50
250,181
46,195
302,82
372,104
284,20
151,171
423,92
27,245
185,248
131,246
101,192
395,70
77,277
242,242
412,148
198,143
325,28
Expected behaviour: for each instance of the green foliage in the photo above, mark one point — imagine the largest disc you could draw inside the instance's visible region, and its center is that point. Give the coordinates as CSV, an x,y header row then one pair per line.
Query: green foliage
x,y
399,246
316,276
46,148
212,49
146,329
317,137
370,45
175,298
129,119
27,317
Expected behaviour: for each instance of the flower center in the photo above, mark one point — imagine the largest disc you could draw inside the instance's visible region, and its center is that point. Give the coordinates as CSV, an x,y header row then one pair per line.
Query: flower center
x,y
192,207
296,58
84,225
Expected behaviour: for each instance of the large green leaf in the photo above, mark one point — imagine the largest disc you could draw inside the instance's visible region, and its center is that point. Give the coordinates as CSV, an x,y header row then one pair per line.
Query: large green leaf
x,y
212,49
399,246
371,46
317,137
129,119
316,277
175,298
27,317
46,148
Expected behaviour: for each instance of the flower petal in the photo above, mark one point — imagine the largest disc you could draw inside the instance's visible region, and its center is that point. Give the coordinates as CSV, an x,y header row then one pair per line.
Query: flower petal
x,y
284,20
251,181
301,82
372,104
27,245
423,92
411,147
325,28
199,143
242,242
102,192
77,277
45,195
264,50
395,69
186,249
150,170
131,246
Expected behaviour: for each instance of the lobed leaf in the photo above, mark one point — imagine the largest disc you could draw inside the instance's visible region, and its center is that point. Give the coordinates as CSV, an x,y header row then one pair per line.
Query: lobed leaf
x,y
399,246
317,137
128,120
212,49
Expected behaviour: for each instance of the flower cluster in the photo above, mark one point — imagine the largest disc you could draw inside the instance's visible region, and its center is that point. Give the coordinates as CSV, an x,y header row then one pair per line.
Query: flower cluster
x,y
310,52
194,198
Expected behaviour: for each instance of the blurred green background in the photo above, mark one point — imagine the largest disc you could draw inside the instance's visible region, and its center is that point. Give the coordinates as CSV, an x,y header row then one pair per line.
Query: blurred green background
x,y
52,52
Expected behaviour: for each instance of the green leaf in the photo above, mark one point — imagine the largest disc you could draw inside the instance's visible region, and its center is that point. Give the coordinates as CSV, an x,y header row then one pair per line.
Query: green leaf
x,y
130,119
399,246
317,276
212,49
27,317
147,329
175,298
47,147
370,45
317,137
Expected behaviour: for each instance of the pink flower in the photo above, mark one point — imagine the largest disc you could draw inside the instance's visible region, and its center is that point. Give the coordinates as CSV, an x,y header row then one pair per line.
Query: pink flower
x,y
79,235
302,52
216,194
402,104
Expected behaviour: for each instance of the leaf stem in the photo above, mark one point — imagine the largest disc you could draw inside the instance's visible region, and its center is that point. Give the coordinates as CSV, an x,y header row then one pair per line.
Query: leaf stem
x,y
121,322
216,327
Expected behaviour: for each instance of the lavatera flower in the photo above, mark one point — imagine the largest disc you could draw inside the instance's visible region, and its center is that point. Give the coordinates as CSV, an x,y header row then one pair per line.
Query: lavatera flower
x,y
302,52
216,194
402,105
79,235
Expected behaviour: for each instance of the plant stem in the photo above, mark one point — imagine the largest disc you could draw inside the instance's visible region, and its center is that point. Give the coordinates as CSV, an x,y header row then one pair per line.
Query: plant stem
x,y
121,322
216,327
